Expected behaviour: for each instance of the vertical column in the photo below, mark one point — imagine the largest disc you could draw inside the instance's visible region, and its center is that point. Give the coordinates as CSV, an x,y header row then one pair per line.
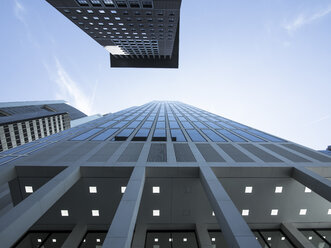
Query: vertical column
x,y
41,128
296,237
12,135
203,236
7,173
20,133
139,236
315,182
35,129
3,138
236,231
19,219
121,229
75,237
28,131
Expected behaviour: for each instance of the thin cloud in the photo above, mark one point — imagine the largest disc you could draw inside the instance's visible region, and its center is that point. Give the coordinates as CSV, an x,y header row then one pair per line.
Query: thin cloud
x,y
303,19
19,11
319,120
69,90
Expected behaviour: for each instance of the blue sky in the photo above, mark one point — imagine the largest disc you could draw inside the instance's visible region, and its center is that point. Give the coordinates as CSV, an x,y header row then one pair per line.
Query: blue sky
x,y
264,63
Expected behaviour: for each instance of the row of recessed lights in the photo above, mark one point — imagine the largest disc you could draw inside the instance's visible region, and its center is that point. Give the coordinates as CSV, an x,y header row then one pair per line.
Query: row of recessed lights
x,y
54,240
274,212
278,189
40,240
170,240
94,190
94,212
311,237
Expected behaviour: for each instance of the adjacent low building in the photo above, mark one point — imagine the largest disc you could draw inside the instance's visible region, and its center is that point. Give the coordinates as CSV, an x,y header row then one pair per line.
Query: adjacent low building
x,y
23,122
164,175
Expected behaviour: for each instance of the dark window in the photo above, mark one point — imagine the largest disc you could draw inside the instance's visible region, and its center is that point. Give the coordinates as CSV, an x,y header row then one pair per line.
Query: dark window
x,y
82,2
121,4
147,5
134,4
147,124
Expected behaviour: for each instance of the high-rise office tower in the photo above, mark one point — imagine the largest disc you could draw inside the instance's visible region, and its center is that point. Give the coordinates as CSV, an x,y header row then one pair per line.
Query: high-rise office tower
x,y
165,174
23,122
136,33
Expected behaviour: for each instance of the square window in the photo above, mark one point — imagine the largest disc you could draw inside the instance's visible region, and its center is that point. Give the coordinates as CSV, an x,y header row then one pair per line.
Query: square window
x,y
101,11
95,212
156,189
28,189
156,240
213,213
64,213
39,240
156,212
213,239
274,211
303,211
269,238
329,211
307,190
184,239
54,240
245,212
279,189
93,189
310,237
170,239
282,238
98,240
248,189
123,188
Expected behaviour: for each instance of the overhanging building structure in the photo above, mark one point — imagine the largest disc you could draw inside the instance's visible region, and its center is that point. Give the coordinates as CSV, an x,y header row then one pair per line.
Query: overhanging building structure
x,y
161,175
23,122
136,33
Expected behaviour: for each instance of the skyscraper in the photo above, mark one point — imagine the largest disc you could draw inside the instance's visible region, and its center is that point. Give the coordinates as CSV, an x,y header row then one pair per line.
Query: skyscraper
x,y
136,33
165,174
23,122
